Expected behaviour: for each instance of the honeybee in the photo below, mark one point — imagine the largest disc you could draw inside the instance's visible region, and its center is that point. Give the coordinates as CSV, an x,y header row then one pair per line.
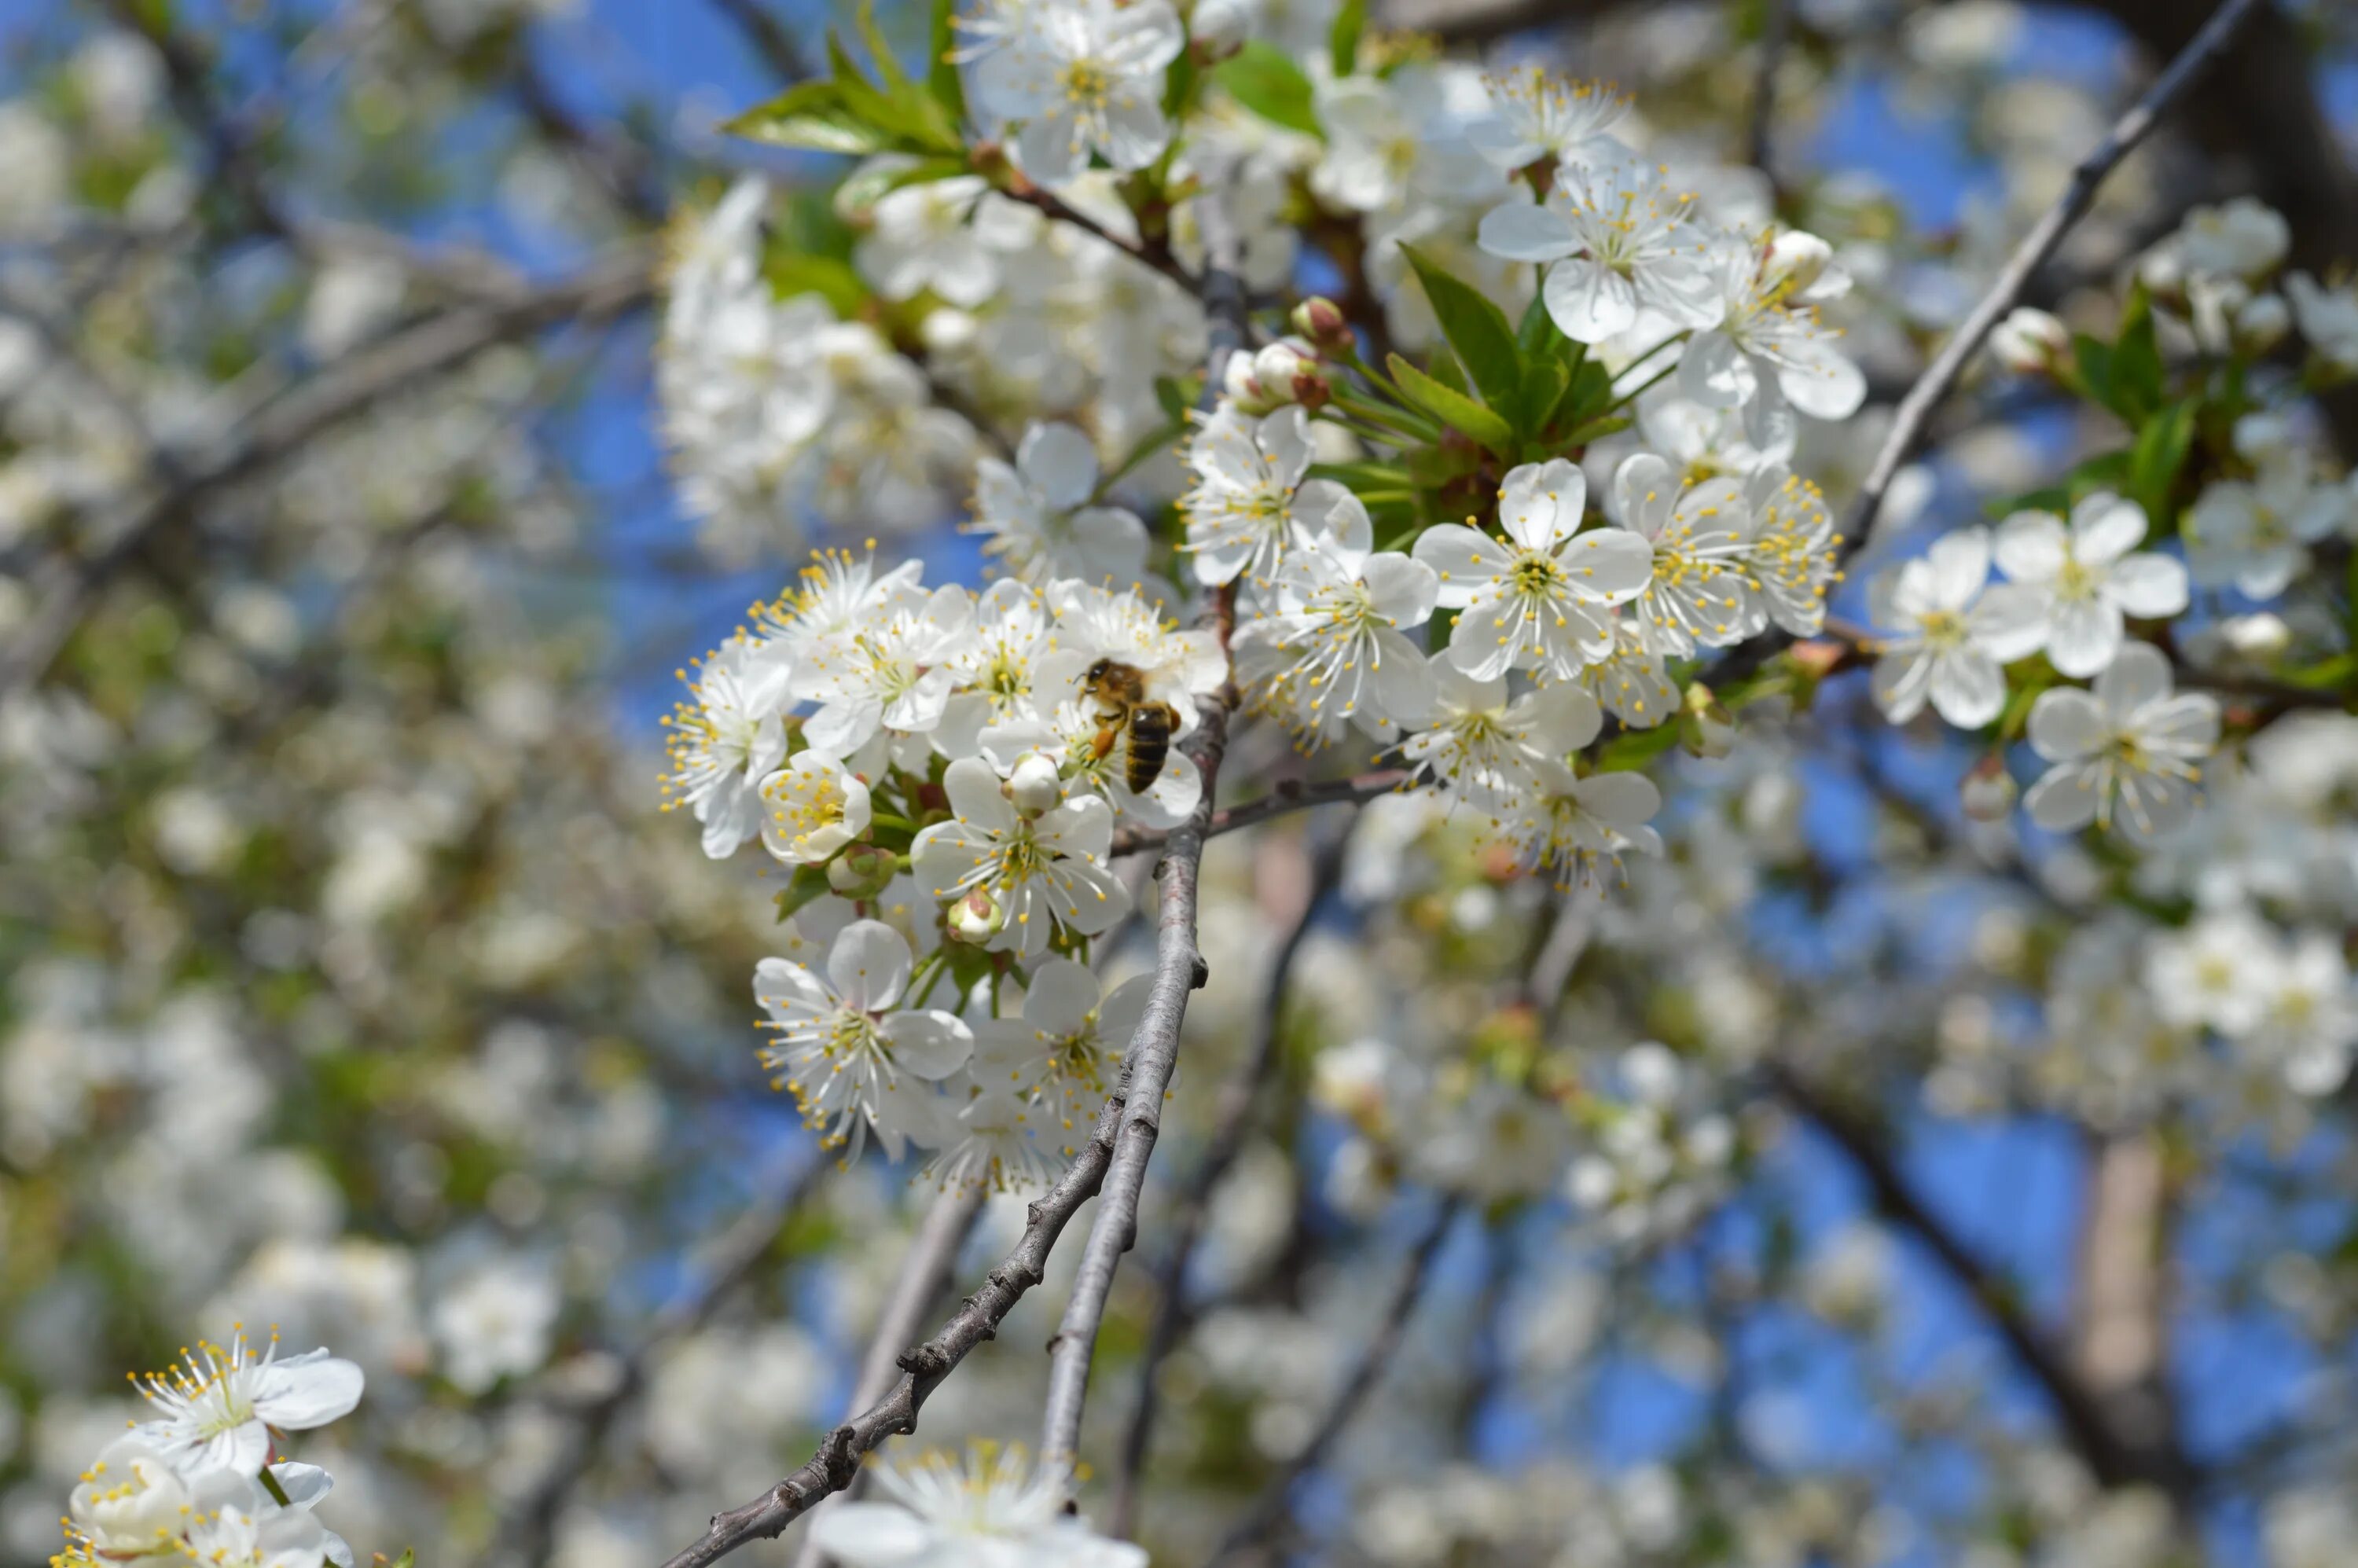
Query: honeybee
x,y
1119,691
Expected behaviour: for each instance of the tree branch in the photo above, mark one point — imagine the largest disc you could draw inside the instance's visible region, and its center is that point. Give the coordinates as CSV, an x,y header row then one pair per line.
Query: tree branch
x,y
1287,798
1179,967
64,587
1232,1121
1270,1505
529,1529
924,1274
1940,375
1776,28
2116,1459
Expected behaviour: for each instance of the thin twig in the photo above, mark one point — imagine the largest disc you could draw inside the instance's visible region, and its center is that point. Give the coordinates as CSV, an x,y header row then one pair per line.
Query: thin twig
x,y
1286,798
1232,1122
1377,1355
1916,409
1157,255
770,38
530,1526
1179,967
64,587
1776,27
924,1274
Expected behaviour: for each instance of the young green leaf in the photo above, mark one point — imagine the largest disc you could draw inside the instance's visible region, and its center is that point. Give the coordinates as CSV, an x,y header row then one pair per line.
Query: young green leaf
x,y
813,114
2154,462
941,71
1451,407
1342,37
1264,79
1475,329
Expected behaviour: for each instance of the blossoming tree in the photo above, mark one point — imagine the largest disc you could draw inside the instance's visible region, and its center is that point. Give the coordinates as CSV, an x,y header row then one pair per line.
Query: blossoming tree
x,y
1414,622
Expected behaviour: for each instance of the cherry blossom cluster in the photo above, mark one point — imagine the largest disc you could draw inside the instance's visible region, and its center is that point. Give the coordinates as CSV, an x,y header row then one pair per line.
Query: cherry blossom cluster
x,y
202,1477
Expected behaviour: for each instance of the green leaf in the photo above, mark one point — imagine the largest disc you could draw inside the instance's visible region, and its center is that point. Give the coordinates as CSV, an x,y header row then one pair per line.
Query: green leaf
x,y
791,272
880,48
1633,750
1537,334
1452,409
875,180
941,71
2095,362
408,1559
1264,79
2136,388
1363,475
2328,676
1545,381
1343,39
818,115
1175,398
807,885
1475,329
2158,455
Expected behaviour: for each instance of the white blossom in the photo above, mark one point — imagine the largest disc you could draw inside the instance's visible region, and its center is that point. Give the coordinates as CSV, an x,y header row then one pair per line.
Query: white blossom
x,y
1046,872
1083,77
1948,636
992,1511
217,1409
1614,239
1041,518
1542,599
845,1043
2129,752
2085,580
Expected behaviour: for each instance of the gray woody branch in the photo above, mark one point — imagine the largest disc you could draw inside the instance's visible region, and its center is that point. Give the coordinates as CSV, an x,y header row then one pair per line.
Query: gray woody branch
x,y
1940,375
1179,967
924,1274
1232,1122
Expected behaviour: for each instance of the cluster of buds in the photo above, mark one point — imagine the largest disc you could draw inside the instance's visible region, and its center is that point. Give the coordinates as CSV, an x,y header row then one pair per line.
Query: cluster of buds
x,y
1281,373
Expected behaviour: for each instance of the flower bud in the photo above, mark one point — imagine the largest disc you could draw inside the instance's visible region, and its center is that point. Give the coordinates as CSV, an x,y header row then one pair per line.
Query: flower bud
x,y
1987,792
2262,323
1217,28
862,871
2260,635
2029,342
1797,259
1321,321
976,918
1274,376
1706,727
1034,786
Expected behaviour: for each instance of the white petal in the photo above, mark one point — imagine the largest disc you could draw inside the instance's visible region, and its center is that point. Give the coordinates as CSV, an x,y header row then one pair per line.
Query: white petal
x,y
2064,801
1060,462
1608,566
2030,546
2104,528
1541,502
1967,689
2139,676
2066,724
972,786
930,1045
1462,561
1589,303
871,1535
2083,636
1522,231
1960,564
308,1390
1062,995
869,966
1136,131
1402,588
2147,585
